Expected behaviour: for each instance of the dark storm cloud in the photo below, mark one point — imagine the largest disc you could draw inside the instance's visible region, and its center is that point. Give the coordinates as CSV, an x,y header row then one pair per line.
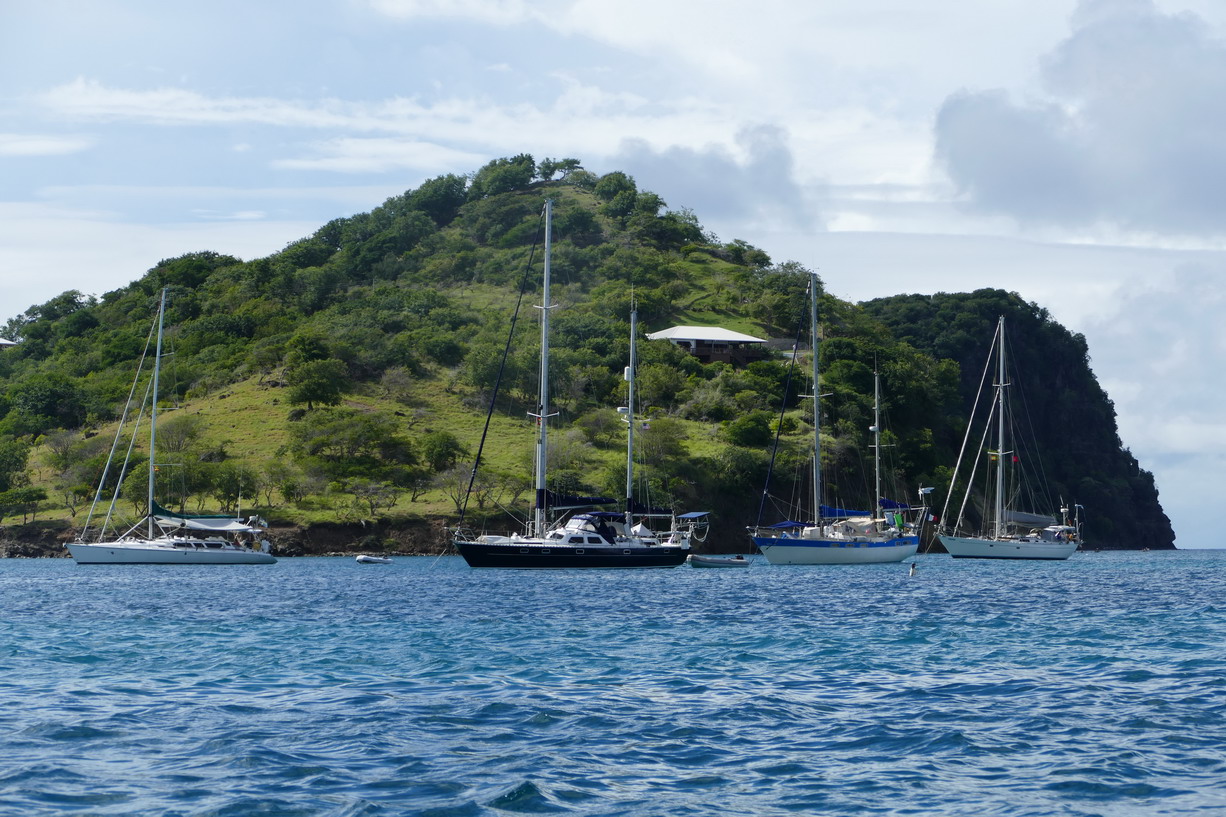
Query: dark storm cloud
x,y
1133,132
713,183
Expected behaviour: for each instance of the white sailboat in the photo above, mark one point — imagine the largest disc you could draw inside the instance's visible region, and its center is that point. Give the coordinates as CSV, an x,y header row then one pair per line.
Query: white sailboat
x,y
590,538
839,536
1009,534
164,537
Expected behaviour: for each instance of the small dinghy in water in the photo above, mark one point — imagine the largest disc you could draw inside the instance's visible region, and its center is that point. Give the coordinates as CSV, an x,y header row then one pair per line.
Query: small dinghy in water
x,y
372,560
697,560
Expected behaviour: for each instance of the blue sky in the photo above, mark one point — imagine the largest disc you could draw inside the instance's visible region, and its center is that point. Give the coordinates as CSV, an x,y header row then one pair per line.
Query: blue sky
x,y
1073,151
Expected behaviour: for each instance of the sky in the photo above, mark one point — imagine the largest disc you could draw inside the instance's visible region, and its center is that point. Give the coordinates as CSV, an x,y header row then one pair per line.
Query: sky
x,y
1072,151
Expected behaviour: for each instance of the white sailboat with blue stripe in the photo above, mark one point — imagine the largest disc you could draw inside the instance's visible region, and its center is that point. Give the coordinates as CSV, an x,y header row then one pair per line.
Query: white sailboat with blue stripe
x,y
839,536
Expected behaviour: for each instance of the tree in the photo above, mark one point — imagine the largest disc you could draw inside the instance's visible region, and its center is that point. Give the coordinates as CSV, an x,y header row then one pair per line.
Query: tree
x,y
548,167
503,176
318,381
344,444
752,430
601,425
179,432
233,483
441,449
44,401
374,494
663,438
454,484
22,500
13,455
613,184
440,198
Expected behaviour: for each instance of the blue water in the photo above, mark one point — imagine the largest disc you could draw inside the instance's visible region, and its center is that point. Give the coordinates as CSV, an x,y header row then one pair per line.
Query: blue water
x,y
323,687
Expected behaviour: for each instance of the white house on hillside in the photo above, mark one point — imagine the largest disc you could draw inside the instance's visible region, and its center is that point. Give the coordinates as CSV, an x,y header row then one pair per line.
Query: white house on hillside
x,y
711,343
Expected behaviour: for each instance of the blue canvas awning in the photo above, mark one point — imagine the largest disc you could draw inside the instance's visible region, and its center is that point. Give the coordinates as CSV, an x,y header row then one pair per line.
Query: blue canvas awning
x,y
787,524
829,512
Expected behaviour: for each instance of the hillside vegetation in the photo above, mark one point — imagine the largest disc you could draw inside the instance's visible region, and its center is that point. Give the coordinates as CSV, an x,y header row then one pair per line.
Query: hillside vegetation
x,y
346,378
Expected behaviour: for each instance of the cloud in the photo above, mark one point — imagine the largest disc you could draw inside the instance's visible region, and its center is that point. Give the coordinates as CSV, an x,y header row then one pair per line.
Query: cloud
x,y
758,185
1155,358
1158,345
106,253
1129,134
353,155
89,99
497,12
580,119
17,144
238,215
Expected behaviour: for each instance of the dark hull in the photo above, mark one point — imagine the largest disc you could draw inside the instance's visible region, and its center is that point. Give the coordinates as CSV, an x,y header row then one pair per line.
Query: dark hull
x,y
519,556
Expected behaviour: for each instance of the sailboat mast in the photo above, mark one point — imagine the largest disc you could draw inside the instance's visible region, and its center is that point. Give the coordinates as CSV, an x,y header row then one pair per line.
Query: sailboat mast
x,y
634,322
539,521
817,410
153,413
876,443
1000,433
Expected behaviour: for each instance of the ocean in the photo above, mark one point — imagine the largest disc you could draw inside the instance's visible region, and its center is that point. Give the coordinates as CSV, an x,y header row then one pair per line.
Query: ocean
x,y
319,686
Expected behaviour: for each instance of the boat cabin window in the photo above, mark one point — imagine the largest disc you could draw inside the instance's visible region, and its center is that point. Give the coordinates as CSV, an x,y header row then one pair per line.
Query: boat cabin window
x,y
594,540
576,540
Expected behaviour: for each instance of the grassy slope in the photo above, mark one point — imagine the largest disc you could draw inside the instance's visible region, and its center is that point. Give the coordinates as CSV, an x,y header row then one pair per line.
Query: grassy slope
x,y
249,419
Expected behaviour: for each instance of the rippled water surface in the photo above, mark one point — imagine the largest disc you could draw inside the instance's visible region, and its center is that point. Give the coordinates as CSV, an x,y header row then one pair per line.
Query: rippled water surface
x,y
323,687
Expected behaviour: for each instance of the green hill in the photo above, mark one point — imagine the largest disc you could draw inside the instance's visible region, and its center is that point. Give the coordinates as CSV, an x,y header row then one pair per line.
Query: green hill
x,y
345,378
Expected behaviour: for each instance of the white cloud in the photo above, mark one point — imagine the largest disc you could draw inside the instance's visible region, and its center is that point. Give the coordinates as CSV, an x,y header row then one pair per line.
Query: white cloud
x,y
1128,135
239,215
89,99
106,254
719,185
495,12
353,155
17,144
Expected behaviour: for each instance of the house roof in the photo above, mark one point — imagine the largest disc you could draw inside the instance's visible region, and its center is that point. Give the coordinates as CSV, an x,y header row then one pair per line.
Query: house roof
x,y
4,342
711,334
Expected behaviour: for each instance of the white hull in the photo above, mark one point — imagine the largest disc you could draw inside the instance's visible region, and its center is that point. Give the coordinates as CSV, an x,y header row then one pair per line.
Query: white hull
x,y
166,552
797,551
698,560
972,548
372,560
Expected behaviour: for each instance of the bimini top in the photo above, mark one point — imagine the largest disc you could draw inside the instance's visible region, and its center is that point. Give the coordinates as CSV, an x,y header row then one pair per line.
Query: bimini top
x,y
213,523
710,334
